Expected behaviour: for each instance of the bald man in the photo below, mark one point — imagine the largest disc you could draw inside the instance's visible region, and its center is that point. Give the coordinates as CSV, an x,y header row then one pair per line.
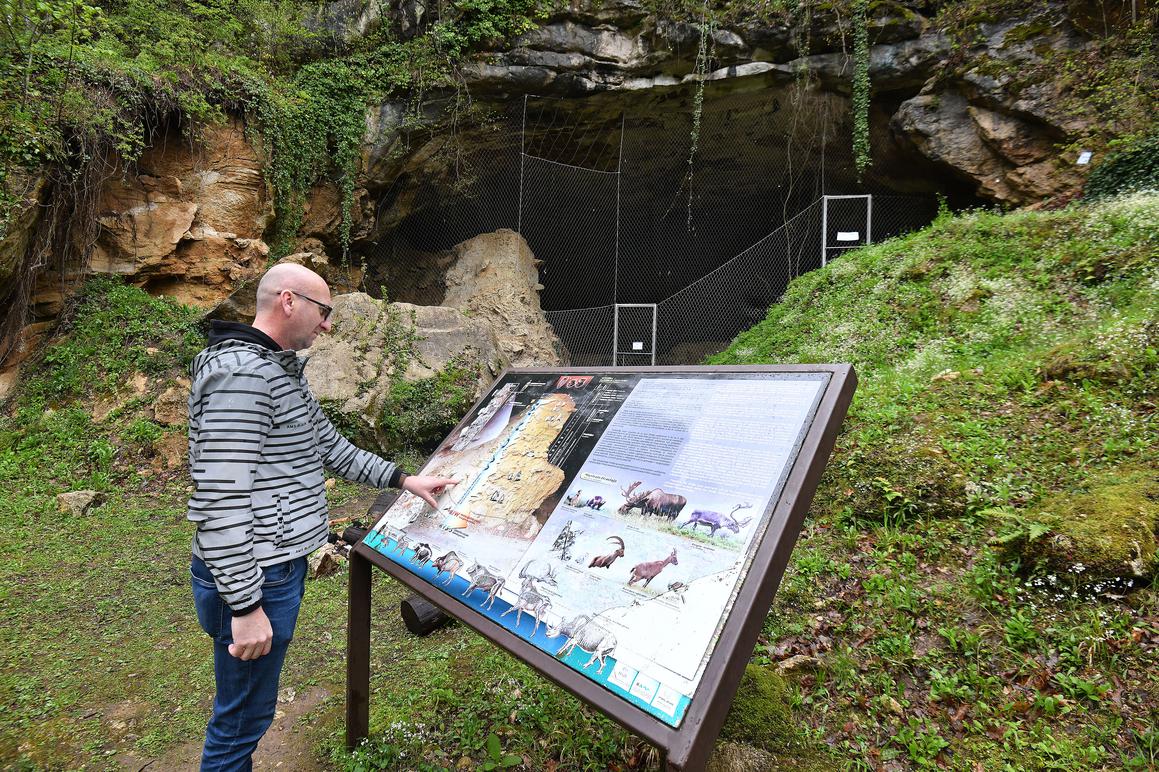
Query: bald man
x,y
258,442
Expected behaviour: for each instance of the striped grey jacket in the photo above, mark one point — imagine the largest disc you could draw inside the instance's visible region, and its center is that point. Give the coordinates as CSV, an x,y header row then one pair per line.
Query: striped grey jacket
x,y
258,441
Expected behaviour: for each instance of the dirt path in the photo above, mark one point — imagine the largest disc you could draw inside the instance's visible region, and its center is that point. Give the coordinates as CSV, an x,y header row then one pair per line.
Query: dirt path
x,y
287,744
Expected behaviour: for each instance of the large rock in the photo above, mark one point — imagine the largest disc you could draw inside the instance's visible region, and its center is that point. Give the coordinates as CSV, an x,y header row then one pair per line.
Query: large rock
x,y
189,223
495,280
374,345
1106,531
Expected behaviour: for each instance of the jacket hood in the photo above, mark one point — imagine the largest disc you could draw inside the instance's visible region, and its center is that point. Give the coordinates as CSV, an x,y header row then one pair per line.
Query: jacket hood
x,y
220,331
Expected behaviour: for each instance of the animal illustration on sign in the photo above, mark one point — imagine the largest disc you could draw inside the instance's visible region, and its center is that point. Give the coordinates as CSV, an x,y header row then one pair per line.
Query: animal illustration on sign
x,y
532,601
483,579
652,502
595,502
716,520
449,564
422,554
649,571
540,571
605,561
589,635
574,499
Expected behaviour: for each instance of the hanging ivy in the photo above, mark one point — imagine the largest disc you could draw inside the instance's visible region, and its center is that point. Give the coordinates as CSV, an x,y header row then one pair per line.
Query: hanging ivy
x,y
700,69
861,157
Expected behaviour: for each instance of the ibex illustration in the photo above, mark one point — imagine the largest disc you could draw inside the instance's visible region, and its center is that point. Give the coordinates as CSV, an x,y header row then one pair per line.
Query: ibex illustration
x,y
649,571
605,561
715,520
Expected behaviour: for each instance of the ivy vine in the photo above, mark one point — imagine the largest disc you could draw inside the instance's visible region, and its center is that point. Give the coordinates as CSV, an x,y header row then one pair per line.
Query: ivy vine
x,y
861,155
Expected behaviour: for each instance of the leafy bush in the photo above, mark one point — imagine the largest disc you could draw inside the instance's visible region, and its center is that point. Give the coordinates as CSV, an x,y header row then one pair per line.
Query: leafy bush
x,y
1133,168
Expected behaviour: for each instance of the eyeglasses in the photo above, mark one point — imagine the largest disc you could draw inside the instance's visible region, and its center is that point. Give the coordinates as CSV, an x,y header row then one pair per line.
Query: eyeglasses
x,y
326,310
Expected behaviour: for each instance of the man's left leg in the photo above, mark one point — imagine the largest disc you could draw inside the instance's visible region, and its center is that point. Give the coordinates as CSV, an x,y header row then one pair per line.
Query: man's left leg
x,y
247,691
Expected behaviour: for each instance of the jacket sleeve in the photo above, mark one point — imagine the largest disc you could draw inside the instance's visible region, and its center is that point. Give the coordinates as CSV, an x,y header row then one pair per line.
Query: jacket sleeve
x,y
231,414
348,461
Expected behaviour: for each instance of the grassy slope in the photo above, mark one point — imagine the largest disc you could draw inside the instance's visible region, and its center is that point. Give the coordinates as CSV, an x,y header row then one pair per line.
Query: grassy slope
x,y
1003,359
927,642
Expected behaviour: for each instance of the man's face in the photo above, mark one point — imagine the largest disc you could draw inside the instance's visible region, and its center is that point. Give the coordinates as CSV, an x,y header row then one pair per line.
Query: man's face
x,y
307,317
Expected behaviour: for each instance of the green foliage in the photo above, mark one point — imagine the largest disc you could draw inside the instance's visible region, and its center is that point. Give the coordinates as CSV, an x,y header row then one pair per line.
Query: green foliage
x,y
1135,167
113,331
417,414
760,713
861,156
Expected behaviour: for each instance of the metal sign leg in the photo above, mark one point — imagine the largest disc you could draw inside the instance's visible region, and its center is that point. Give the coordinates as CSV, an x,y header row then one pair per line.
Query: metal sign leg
x,y
358,652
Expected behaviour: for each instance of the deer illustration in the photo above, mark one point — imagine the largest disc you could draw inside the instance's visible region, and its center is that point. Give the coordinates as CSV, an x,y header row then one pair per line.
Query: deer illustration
x,y
631,499
449,563
716,520
605,561
649,571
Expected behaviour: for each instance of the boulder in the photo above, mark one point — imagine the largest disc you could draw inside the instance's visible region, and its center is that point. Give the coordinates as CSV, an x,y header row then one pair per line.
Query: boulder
x,y
171,408
495,280
1105,531
375,345
78,503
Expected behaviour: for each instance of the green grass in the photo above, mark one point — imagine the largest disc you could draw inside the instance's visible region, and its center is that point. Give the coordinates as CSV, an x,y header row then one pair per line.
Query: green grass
x,y
1003,360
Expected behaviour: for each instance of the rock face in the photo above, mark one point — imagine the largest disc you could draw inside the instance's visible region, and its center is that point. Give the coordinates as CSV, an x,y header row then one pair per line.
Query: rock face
x,y
374,344
189,223
979,126
494,280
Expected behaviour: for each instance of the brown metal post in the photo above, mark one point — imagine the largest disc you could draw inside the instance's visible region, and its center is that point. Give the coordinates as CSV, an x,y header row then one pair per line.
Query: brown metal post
x,y
358,652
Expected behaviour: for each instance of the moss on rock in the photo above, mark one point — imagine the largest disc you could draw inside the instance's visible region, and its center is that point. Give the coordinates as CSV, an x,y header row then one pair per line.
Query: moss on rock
x,y
1107,530
760,714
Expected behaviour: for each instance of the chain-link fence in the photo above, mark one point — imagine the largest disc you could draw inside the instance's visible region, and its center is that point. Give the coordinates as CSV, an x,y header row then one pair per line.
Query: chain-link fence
x,y
652,252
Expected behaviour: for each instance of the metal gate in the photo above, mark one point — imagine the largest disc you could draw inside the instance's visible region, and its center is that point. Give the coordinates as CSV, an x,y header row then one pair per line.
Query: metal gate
x,y
634,333
846,223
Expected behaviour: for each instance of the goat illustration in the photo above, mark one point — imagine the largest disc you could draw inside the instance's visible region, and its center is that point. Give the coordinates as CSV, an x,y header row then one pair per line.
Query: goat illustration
x,y
449,564
585,632
605,561
483,579
531,601
649,571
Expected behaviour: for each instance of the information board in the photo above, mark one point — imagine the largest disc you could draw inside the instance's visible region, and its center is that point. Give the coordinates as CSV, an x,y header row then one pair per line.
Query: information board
x,y
609,519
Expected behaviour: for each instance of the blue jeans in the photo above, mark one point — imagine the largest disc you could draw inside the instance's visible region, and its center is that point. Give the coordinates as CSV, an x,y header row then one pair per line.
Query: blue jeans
x,y
247,692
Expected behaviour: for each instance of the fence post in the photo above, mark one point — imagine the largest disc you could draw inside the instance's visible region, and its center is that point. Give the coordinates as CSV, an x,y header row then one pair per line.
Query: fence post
x,y
824,229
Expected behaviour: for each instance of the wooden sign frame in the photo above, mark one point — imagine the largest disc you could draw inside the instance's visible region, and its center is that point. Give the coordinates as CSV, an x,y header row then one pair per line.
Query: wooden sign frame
x,y
687,746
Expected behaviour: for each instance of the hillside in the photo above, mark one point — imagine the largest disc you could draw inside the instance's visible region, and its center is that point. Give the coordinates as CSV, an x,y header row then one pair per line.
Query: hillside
x,y
974,586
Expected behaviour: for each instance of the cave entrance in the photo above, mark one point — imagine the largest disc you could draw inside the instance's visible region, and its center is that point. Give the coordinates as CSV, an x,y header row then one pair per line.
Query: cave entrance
x,y
632,204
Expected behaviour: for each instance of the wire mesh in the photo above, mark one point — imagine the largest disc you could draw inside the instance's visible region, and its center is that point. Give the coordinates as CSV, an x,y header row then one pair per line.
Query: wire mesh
x,y
620,210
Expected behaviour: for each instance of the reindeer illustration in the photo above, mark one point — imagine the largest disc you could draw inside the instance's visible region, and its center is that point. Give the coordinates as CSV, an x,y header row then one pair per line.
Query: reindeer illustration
x,y
649,571
531,601
716,520
605,561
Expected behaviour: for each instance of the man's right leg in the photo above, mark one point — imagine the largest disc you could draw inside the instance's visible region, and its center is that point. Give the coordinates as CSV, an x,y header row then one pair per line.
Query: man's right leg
x,y
247,691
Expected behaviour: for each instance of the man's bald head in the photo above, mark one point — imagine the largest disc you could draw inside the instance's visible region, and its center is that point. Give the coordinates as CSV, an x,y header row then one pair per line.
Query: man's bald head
x,y
291,305
286,276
